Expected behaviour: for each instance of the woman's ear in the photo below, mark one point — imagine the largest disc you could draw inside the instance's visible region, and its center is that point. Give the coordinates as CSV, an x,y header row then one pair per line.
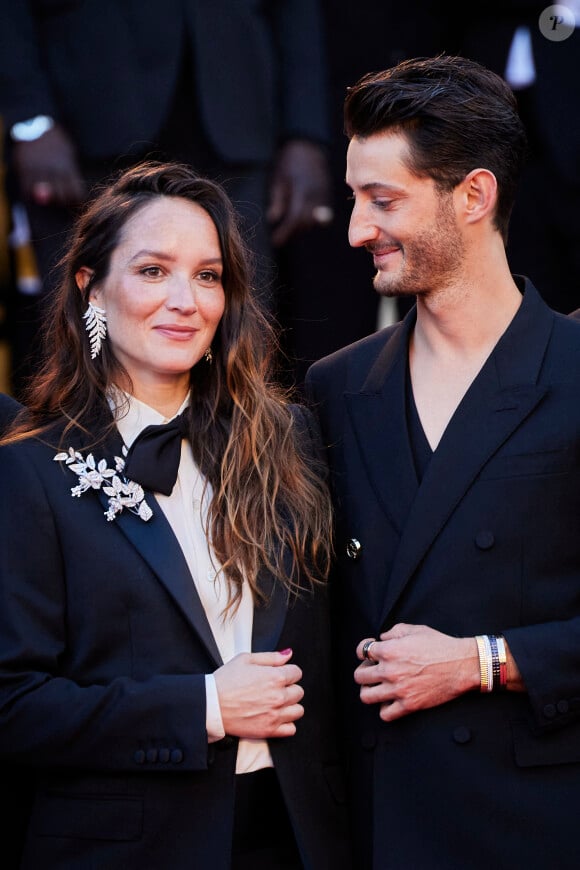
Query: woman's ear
x,y
83,277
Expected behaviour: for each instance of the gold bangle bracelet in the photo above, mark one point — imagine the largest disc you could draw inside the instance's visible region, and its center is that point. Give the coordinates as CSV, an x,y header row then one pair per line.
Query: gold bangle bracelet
x,y
485,671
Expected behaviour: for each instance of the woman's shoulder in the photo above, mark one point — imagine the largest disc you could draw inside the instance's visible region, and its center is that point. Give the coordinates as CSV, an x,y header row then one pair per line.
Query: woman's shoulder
x,y
39,447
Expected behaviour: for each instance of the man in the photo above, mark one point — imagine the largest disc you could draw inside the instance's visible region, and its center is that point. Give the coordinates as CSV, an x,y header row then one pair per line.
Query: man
x,y
454,444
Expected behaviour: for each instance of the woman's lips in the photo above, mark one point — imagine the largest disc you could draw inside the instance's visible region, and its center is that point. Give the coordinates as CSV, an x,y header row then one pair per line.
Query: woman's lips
x,y
176,331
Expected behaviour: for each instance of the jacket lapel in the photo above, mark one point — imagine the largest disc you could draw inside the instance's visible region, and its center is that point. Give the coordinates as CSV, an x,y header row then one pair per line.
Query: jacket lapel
x,y
378,418
504,393
157,545
269,617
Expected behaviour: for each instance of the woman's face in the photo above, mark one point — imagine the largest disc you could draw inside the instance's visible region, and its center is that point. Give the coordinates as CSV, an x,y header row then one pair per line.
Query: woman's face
x,y
163,295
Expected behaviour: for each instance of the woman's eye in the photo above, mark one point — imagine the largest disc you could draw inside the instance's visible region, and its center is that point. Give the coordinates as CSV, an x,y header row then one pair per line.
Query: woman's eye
x,y
151,271
209,276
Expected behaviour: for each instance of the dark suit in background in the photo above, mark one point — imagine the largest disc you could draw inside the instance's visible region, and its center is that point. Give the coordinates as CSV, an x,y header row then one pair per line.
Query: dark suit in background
x,y
224,86
544,238
486,541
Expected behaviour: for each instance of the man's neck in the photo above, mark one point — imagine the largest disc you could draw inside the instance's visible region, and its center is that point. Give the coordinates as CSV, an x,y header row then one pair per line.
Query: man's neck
x,y
452,339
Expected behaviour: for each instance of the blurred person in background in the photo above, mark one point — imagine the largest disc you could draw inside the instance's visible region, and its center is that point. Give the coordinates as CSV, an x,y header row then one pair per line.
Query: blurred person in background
x,y
236,90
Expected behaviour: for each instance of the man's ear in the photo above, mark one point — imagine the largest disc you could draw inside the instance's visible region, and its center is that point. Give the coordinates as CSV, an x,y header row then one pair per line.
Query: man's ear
x,y
83,278
479,189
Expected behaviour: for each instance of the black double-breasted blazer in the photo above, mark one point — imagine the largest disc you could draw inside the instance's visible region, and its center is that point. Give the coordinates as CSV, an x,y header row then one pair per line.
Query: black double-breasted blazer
x,y
487,542
103,650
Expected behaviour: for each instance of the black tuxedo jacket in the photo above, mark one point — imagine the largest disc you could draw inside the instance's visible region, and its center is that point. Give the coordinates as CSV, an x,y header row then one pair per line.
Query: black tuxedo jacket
x,y
107,70
487,543
103,649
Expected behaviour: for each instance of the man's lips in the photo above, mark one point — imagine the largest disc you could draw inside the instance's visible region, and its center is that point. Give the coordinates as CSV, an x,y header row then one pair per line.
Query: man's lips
x,y
380,255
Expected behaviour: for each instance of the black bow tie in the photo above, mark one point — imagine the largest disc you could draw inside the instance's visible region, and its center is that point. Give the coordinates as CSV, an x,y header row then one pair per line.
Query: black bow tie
x,y
153,458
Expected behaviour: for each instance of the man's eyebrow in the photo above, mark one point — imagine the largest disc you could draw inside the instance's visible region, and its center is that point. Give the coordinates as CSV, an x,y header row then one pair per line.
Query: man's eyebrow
x,y
377,186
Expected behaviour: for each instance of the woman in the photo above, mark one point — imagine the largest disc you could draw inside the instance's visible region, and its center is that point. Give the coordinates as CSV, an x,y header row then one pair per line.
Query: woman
x,y
163,607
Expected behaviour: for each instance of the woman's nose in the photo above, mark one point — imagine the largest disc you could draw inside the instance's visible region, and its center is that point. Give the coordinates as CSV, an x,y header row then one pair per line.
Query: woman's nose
x,y
182,294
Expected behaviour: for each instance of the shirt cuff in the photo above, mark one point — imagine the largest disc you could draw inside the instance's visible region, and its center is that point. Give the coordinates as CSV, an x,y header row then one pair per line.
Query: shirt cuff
x,y
213,717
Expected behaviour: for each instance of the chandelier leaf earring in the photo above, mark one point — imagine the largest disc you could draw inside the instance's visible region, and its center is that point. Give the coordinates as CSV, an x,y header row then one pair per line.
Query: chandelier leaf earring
x,y
208,355
96,325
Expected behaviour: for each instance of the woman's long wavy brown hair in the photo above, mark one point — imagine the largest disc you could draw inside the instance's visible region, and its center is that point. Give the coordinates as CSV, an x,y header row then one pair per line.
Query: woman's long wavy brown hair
x,y
270,507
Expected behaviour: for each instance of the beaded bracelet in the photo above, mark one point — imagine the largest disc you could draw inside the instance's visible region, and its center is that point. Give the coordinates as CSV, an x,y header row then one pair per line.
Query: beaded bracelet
x,y
502,654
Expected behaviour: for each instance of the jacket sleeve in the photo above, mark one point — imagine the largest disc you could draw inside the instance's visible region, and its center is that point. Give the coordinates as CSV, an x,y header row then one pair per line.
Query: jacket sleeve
x,y
24,87
300,36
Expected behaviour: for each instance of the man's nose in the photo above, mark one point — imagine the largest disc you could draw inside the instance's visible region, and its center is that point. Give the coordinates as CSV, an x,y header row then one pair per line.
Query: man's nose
x,y
361,231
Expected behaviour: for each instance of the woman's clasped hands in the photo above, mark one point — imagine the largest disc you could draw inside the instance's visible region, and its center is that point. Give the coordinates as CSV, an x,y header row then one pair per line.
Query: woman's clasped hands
x,y
259,695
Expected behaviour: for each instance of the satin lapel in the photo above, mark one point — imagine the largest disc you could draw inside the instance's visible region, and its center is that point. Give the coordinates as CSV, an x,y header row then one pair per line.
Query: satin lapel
x,y
157,545
504,393
378,417
269,617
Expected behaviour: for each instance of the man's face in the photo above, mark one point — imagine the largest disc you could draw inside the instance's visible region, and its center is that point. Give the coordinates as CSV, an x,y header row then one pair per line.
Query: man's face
x,y
408,226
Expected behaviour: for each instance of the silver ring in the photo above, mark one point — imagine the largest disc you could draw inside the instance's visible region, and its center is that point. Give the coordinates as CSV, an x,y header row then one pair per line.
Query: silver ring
x,y
366,649
322,214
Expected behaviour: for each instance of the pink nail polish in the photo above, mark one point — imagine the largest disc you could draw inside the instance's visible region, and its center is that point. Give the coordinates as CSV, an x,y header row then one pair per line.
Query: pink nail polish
x,y
285,652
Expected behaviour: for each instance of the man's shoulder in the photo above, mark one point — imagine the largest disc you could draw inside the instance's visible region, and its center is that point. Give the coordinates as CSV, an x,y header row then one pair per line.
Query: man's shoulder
x,y
564,348
362,352
567,326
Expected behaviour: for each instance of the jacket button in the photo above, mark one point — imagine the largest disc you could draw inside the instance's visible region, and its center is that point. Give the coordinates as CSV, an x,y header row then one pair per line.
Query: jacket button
x,y
549,711
176,756
462,734
353,548
151,756
164,756
139,757
484,539
562,706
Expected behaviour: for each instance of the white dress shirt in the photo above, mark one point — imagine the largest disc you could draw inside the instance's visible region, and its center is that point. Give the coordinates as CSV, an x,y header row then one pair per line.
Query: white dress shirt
x,y
186,511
